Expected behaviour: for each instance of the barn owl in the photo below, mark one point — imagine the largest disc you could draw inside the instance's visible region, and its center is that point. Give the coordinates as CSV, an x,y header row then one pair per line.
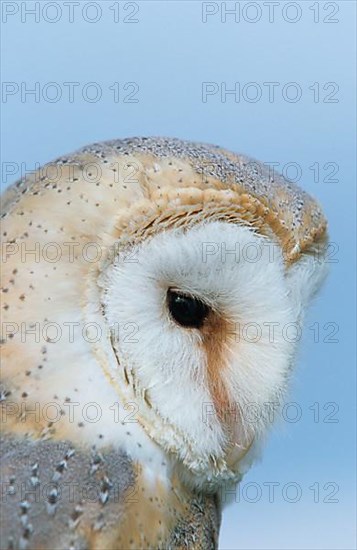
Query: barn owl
x,y
148,289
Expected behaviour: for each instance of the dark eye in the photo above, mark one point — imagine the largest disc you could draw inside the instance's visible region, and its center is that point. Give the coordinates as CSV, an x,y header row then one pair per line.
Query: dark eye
x,y
187,311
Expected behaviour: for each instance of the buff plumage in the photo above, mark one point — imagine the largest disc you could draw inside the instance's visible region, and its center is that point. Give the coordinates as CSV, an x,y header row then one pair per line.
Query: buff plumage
x,y
92,242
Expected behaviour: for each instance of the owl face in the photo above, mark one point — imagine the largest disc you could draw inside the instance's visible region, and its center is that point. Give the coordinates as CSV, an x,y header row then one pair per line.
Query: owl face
x,y
209,350
206,265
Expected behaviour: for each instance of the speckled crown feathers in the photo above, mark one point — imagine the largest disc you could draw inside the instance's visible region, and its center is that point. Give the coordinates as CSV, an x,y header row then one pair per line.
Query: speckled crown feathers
x,y
143,185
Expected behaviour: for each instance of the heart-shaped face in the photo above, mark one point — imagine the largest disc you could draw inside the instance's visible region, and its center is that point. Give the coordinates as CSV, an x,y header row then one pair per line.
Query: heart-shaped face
x,y
217,321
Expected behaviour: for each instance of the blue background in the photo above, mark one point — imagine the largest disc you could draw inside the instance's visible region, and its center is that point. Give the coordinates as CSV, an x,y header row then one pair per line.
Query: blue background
x,y
168,53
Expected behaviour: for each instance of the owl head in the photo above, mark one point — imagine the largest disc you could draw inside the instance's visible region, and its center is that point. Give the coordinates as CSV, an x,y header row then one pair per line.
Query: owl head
x,y
197,265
